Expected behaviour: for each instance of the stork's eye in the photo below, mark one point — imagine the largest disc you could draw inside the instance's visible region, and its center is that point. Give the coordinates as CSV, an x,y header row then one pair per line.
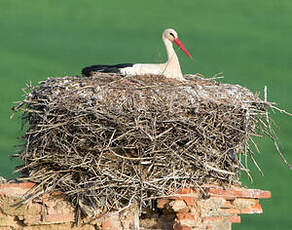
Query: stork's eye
x,y
172,35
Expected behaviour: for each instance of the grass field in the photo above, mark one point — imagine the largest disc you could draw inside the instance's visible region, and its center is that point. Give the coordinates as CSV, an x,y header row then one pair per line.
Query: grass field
x,y
249,41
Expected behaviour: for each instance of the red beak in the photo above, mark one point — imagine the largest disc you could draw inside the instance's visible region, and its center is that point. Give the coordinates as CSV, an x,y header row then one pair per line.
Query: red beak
x,y
180,45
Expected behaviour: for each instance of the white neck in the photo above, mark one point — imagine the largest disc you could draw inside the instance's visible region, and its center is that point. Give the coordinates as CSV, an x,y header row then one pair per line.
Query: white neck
x,y
170,51
172,65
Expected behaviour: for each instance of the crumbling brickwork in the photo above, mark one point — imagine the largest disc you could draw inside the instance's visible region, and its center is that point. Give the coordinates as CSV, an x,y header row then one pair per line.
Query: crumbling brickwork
x,y
214,208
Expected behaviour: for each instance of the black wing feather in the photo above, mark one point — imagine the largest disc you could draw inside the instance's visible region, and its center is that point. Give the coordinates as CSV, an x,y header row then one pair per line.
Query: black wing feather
x,y
87,71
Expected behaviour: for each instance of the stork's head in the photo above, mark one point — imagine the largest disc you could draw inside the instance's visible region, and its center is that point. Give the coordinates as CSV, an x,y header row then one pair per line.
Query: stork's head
x,y
171,35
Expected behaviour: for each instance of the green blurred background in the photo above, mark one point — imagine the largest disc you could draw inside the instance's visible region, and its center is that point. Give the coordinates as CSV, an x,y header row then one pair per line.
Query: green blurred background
x,y
249,41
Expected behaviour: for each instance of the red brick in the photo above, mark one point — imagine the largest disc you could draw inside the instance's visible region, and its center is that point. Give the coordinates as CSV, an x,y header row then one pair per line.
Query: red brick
x,y
232,219
242,203
255,209
185,228
228,204
178,226
231,211
186,219
15,189
112,222
49,219
53,195
212,218
191,201
179,206
235,219
162,202
188,194
185,216
237,192
185,191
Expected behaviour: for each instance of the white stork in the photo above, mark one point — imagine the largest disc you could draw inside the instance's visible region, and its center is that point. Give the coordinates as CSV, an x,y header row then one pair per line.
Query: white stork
x,y
169,69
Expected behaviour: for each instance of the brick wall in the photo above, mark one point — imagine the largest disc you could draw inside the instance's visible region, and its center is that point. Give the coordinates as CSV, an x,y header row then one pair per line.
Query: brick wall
x,y
214,208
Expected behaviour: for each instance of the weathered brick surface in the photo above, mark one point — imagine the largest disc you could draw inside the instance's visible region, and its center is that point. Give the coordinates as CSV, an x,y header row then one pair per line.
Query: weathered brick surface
x,y
188,209
179,206
112,222
237,192
232,219
217,209
162,202
15,189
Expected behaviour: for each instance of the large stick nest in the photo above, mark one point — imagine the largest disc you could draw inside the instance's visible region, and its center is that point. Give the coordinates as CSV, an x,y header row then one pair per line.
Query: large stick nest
x,y
109,141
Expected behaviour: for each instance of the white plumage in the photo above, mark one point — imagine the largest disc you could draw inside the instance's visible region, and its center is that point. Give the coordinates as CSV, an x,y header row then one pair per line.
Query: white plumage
x,y
169,69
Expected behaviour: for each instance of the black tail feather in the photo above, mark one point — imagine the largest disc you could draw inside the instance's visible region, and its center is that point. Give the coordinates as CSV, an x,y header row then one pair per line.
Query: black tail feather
x,y
89,70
